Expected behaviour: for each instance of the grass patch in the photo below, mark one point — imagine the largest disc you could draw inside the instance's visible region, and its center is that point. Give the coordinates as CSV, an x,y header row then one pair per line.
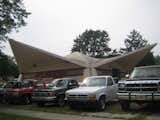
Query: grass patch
x,y
139,117
115,109
6,116
50,109
111,108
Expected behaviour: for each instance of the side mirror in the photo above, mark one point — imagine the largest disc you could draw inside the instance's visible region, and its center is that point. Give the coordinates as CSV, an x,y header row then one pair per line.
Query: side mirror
x,y
116,79
71,85
127,76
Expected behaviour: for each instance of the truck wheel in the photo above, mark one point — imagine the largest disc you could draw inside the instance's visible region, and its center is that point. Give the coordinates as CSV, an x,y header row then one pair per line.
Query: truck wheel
x,y
125,105
40,104
101,103
61,101
27,99
72,106
3,100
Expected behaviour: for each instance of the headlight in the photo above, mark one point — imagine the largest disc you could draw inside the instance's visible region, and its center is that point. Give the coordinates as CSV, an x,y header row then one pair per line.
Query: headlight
x,y
67,94
51,94
33,94
92,97
122,85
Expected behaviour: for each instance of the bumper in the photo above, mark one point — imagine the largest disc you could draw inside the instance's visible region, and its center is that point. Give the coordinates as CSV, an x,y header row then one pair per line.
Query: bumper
x,y
148,97
44,99
13,98
77,99
83,103
1,97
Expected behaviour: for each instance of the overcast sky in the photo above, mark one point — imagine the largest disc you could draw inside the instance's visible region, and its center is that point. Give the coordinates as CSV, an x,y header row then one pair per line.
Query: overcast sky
x,y
54,24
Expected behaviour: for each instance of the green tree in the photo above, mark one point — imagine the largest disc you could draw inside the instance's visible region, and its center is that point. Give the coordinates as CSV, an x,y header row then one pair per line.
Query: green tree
x,y
133,42
93,43
147,60
7,67
12,16
157,60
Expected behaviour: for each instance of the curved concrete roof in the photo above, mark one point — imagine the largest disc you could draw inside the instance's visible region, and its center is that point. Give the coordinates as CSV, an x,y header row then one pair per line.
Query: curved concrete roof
x,y
82,59
31,59
126,61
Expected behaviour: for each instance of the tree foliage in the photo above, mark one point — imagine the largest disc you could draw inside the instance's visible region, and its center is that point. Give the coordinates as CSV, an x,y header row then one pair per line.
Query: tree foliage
x,y
157,60
136,41
93,43
7,67
12,16
133,42
147,60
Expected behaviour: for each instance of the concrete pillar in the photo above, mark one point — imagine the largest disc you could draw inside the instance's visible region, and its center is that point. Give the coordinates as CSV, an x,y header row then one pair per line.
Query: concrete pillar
x,y
89,72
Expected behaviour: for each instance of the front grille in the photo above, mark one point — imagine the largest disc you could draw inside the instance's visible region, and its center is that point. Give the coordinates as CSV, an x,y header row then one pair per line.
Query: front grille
x,y
133,89
150,85
132,85
140,87
9,93
80,96
40,94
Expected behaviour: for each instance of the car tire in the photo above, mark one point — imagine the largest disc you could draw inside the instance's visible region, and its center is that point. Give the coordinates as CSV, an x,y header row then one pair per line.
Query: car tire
x,y
125,106
3,99
27,99
61,101
101,103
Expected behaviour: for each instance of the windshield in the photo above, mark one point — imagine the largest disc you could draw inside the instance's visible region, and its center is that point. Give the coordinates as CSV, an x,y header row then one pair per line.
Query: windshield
x,y
58,83
94,81
13,85
146,72
2,85
41,83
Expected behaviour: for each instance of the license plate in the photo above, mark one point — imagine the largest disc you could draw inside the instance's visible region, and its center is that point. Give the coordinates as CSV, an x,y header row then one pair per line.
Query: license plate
x,y
140,97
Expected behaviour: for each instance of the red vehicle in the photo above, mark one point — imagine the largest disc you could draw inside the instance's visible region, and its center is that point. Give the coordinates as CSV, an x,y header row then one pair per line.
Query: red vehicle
x,y
19,91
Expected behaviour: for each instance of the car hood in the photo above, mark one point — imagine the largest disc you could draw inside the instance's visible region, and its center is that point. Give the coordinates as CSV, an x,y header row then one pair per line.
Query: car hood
x,y
48,89
84,90
148,81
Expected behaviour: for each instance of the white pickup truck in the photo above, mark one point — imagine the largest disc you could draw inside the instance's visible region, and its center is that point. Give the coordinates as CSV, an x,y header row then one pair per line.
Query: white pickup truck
x,y
95,90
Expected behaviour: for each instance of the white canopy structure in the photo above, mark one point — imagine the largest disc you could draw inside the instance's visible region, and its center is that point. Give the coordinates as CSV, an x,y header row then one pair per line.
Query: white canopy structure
x,y
36,63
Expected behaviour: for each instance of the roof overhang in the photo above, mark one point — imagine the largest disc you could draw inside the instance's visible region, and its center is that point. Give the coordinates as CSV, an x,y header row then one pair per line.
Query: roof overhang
x,y
125,62
31,59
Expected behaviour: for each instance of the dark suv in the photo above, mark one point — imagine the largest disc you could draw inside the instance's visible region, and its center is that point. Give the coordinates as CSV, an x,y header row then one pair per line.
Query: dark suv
x,y
54,92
